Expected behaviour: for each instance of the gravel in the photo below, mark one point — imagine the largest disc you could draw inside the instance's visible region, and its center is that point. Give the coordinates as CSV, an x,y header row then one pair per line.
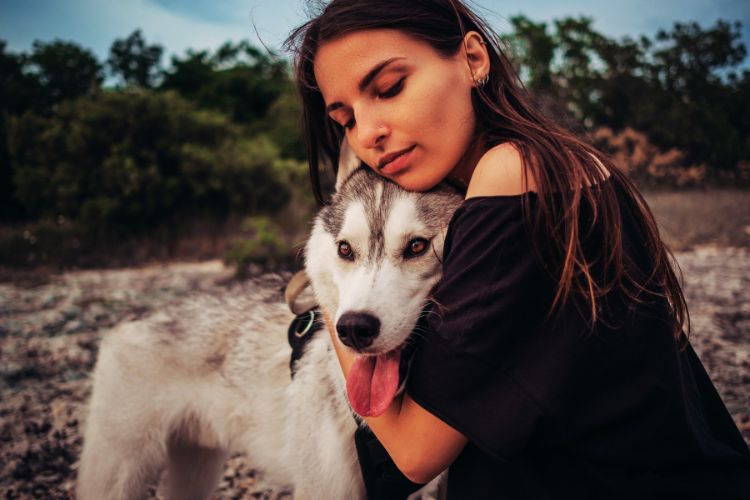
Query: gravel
x,y
50,330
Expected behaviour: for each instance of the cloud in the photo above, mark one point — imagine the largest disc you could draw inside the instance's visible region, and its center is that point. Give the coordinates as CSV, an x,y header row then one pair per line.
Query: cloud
x,y
96,24
218,12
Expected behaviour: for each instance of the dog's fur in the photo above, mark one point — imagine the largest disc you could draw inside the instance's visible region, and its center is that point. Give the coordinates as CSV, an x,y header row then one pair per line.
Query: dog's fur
x,y
184,388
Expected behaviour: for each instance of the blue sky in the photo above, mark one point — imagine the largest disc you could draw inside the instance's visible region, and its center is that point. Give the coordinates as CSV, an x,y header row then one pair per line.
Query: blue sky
x,y
205,24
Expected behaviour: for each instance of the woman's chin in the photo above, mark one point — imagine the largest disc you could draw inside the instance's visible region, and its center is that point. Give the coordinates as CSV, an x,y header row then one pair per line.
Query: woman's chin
x,y
413,180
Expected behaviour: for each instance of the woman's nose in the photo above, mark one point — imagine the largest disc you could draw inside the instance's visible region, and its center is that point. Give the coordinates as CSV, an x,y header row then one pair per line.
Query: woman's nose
x,y
371,132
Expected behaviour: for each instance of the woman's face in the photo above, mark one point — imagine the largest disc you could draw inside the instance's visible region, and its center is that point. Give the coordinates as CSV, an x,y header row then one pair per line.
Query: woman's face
x,y
406,110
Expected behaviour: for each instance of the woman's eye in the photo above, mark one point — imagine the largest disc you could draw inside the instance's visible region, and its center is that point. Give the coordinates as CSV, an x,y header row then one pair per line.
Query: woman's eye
x,y
395,89
416,247
345,250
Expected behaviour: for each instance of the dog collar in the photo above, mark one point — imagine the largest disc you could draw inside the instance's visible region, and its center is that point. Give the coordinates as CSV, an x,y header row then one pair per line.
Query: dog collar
x,y
300,332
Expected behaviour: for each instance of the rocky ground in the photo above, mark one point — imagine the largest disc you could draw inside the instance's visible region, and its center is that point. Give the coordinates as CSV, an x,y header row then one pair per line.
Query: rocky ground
x,y
50,330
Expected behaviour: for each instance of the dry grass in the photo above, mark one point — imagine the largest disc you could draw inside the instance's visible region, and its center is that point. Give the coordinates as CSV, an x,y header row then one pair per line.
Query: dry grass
x,y
691,218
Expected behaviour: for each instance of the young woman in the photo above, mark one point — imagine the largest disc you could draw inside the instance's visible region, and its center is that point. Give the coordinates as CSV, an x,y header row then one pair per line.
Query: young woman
x,y
556,365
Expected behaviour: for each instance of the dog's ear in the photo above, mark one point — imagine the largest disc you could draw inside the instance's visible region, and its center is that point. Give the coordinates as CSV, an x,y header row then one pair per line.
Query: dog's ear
x,y
298,294
348,163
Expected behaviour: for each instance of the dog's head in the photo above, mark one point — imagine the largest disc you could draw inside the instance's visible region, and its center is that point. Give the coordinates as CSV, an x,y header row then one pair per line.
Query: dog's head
x,y
373,257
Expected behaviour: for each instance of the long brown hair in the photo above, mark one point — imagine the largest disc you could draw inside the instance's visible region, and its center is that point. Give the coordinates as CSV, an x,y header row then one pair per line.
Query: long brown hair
x,y
568,173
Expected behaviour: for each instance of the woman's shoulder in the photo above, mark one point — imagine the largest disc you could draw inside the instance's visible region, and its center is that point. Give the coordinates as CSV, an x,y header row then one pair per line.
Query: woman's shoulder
x,y
501,171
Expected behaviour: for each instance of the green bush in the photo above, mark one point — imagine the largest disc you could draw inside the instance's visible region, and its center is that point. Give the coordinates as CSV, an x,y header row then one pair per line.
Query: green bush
x,y
43,243
121,163
263,246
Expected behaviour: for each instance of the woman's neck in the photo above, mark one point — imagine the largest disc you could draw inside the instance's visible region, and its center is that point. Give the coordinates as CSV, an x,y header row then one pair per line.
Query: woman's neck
x,y
462,172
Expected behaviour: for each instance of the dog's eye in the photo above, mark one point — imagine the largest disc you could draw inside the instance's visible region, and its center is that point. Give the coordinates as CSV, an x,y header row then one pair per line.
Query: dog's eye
x,y
416,247
345,250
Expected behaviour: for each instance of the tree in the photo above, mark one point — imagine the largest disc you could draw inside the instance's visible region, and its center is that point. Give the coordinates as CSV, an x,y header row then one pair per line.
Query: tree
x,y
127,162
578,72
238,80
689,59
682,89
18,93
699,104
18,89
282,124
533,49
64,71
134,62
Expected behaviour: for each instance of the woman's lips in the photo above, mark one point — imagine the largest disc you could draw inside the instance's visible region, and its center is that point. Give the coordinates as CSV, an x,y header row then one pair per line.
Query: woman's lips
x,y
398,163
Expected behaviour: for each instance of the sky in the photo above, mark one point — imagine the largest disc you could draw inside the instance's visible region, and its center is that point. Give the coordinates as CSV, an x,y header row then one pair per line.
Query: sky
x,y
178,25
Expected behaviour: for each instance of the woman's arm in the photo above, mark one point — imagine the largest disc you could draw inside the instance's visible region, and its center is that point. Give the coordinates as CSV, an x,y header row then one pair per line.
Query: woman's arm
x,y
420,444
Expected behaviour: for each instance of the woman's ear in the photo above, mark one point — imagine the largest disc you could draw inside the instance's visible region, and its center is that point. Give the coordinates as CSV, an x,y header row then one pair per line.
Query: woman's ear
x,y
477,57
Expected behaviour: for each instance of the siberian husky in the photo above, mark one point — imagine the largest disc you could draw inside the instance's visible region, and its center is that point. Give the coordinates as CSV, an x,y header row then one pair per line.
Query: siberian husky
x,y
187,386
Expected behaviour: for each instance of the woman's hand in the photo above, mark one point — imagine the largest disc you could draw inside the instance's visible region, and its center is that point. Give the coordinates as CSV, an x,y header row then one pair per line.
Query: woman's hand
x,y
346,356
420,444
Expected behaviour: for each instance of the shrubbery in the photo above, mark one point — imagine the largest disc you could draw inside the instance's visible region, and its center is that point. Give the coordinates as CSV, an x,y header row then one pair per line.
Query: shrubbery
x,y
645,163
261,244
215,137
685,89
128,162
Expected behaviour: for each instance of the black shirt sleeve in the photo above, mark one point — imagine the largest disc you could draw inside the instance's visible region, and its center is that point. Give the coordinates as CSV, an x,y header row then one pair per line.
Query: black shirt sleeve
x,y
492,296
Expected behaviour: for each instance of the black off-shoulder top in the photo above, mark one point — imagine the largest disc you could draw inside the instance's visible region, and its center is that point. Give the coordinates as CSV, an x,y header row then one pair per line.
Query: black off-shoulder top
x,y
551,408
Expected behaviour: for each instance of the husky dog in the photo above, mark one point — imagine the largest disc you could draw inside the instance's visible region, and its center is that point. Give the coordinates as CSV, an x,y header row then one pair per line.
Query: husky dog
x,y
189,385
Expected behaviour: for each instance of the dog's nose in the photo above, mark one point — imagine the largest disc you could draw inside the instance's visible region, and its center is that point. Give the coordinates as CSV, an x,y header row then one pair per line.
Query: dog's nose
x,y
358,330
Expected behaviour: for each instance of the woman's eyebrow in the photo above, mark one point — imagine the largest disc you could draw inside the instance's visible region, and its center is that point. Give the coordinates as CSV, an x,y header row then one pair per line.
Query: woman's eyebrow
x,y
366,80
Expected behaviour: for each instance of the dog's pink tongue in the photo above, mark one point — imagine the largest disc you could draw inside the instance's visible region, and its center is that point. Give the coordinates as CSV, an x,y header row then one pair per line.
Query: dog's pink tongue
x,y
372,383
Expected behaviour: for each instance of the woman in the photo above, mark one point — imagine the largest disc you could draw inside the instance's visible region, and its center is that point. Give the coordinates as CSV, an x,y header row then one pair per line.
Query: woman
x,y
556,365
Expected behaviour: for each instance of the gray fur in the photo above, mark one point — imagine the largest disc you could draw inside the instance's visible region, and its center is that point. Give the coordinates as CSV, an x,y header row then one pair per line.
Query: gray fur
x,y
210,376
363,184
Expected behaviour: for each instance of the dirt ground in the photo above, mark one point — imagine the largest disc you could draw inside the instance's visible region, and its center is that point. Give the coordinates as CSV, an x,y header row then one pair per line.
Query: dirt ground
x,y
50,330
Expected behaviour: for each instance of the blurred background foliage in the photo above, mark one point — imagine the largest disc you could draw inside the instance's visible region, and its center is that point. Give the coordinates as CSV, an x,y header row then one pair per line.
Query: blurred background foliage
x,y
685,90
115,162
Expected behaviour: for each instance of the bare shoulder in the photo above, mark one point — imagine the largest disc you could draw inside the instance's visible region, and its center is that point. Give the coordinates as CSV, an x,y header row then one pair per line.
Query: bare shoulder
x,y
500,172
